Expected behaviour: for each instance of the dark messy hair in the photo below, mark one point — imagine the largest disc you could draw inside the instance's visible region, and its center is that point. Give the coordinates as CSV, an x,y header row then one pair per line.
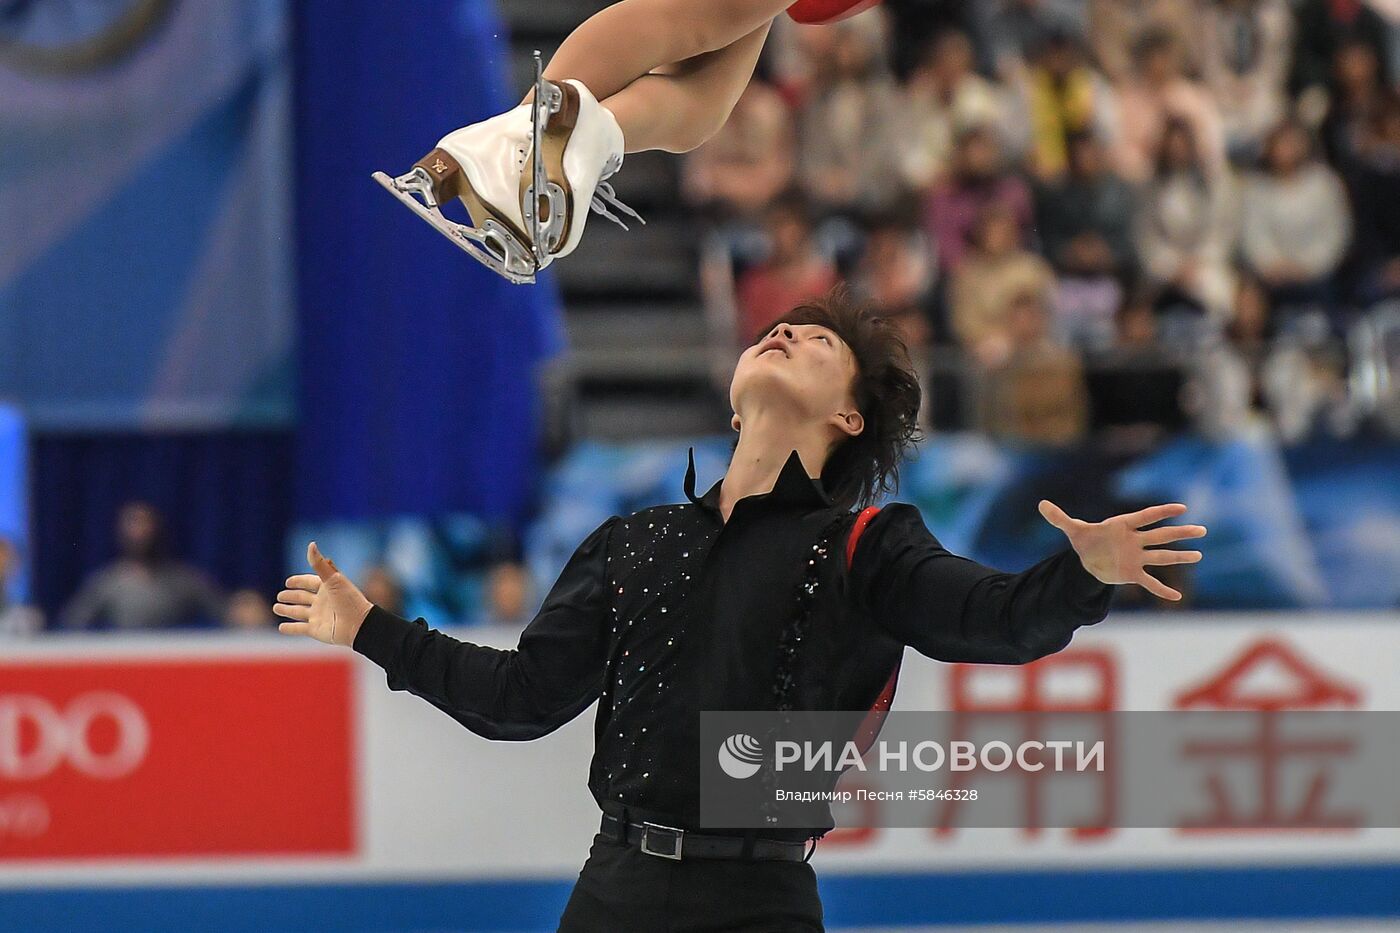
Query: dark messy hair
x,y
886,392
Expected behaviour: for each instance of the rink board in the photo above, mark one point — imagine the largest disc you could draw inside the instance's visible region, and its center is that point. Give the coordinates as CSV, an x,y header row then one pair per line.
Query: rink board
x,y
230,783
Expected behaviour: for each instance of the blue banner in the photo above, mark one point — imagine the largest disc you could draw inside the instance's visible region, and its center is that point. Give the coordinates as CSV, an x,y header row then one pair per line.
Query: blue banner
x,y
418,371
1313,526
146,272
14,505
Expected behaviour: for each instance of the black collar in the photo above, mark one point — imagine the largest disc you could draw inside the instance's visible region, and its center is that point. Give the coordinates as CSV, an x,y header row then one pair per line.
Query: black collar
x,y
793,485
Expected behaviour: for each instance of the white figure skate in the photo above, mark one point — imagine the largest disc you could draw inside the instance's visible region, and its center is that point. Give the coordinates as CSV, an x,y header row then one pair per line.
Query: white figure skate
x,y
571,145
580,149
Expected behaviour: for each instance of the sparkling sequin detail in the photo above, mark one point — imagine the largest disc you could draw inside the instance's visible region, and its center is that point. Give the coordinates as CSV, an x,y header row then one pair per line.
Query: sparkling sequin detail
x,y
791,638
789,643
642,675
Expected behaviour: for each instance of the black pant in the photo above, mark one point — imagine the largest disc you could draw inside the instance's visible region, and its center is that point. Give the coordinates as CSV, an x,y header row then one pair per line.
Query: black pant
x,y
623,888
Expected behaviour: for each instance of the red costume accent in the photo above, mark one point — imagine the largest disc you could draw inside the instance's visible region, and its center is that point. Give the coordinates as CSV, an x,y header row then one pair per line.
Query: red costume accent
x,y
819,12
870,726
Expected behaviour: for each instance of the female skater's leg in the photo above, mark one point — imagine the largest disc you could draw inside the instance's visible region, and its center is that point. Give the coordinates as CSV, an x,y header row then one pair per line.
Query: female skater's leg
x,y
632,38
680,106
703,53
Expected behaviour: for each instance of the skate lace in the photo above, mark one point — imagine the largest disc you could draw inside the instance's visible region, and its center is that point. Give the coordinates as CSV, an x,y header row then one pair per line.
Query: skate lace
x,y
604,198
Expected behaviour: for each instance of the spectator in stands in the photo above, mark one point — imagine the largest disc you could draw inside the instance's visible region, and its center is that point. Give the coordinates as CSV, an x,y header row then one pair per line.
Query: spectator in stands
x,y
1324,27
1116,26
914,22
793,271
1297,376
507,595
943,96
984,288
1249,368
1251,323
979,180
896,278
1218,393
1086,218
793,51
1136,330
1158,92
1376,193
1008,31
384,586
1138,396
249,611
1246,49
1086,228
1389,13
145,588
1064,98
849,123
15,619
1296,220
1186,233
748,163
1305,383
1358,91
1038,395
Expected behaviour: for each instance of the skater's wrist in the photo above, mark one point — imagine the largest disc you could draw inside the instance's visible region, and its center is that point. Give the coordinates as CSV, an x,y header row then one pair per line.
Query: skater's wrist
x,y
381,635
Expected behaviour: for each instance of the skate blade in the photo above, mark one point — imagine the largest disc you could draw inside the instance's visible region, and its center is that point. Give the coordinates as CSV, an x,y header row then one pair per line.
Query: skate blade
x,y
553,114
556,193
517,269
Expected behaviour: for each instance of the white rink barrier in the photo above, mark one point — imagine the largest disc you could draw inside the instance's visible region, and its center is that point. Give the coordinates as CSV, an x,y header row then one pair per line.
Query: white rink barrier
x,y
286,776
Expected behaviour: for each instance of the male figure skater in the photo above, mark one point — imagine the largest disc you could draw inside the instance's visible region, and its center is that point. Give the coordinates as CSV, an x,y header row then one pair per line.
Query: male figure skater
x,y
638,75
680,608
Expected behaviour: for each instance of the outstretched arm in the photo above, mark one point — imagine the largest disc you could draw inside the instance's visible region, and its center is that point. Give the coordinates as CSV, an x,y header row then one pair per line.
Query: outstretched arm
x,y
553,674
954,609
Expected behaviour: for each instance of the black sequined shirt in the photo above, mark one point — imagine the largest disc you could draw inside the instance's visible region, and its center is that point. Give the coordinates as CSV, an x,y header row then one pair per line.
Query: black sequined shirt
x,y
672,610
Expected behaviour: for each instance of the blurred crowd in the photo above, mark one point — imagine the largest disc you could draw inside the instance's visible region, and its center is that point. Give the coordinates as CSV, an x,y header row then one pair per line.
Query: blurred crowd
x,y
1083,214
1147,213
148,587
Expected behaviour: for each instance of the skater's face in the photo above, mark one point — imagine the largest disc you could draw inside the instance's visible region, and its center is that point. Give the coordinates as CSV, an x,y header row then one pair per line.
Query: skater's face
x,y
804,370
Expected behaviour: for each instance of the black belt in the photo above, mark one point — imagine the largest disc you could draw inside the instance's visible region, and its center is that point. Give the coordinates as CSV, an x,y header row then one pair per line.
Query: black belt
x,y
673,843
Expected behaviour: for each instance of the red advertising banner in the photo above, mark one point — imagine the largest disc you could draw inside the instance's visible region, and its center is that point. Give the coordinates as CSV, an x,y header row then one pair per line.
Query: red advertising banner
x,y
180,757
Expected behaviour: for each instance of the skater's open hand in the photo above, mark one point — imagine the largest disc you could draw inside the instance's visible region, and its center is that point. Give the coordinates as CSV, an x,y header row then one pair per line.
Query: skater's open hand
x,y
1116,551
324,604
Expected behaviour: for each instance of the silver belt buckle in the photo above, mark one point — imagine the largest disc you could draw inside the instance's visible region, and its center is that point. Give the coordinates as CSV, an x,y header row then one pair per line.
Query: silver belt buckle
x,y
675,837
